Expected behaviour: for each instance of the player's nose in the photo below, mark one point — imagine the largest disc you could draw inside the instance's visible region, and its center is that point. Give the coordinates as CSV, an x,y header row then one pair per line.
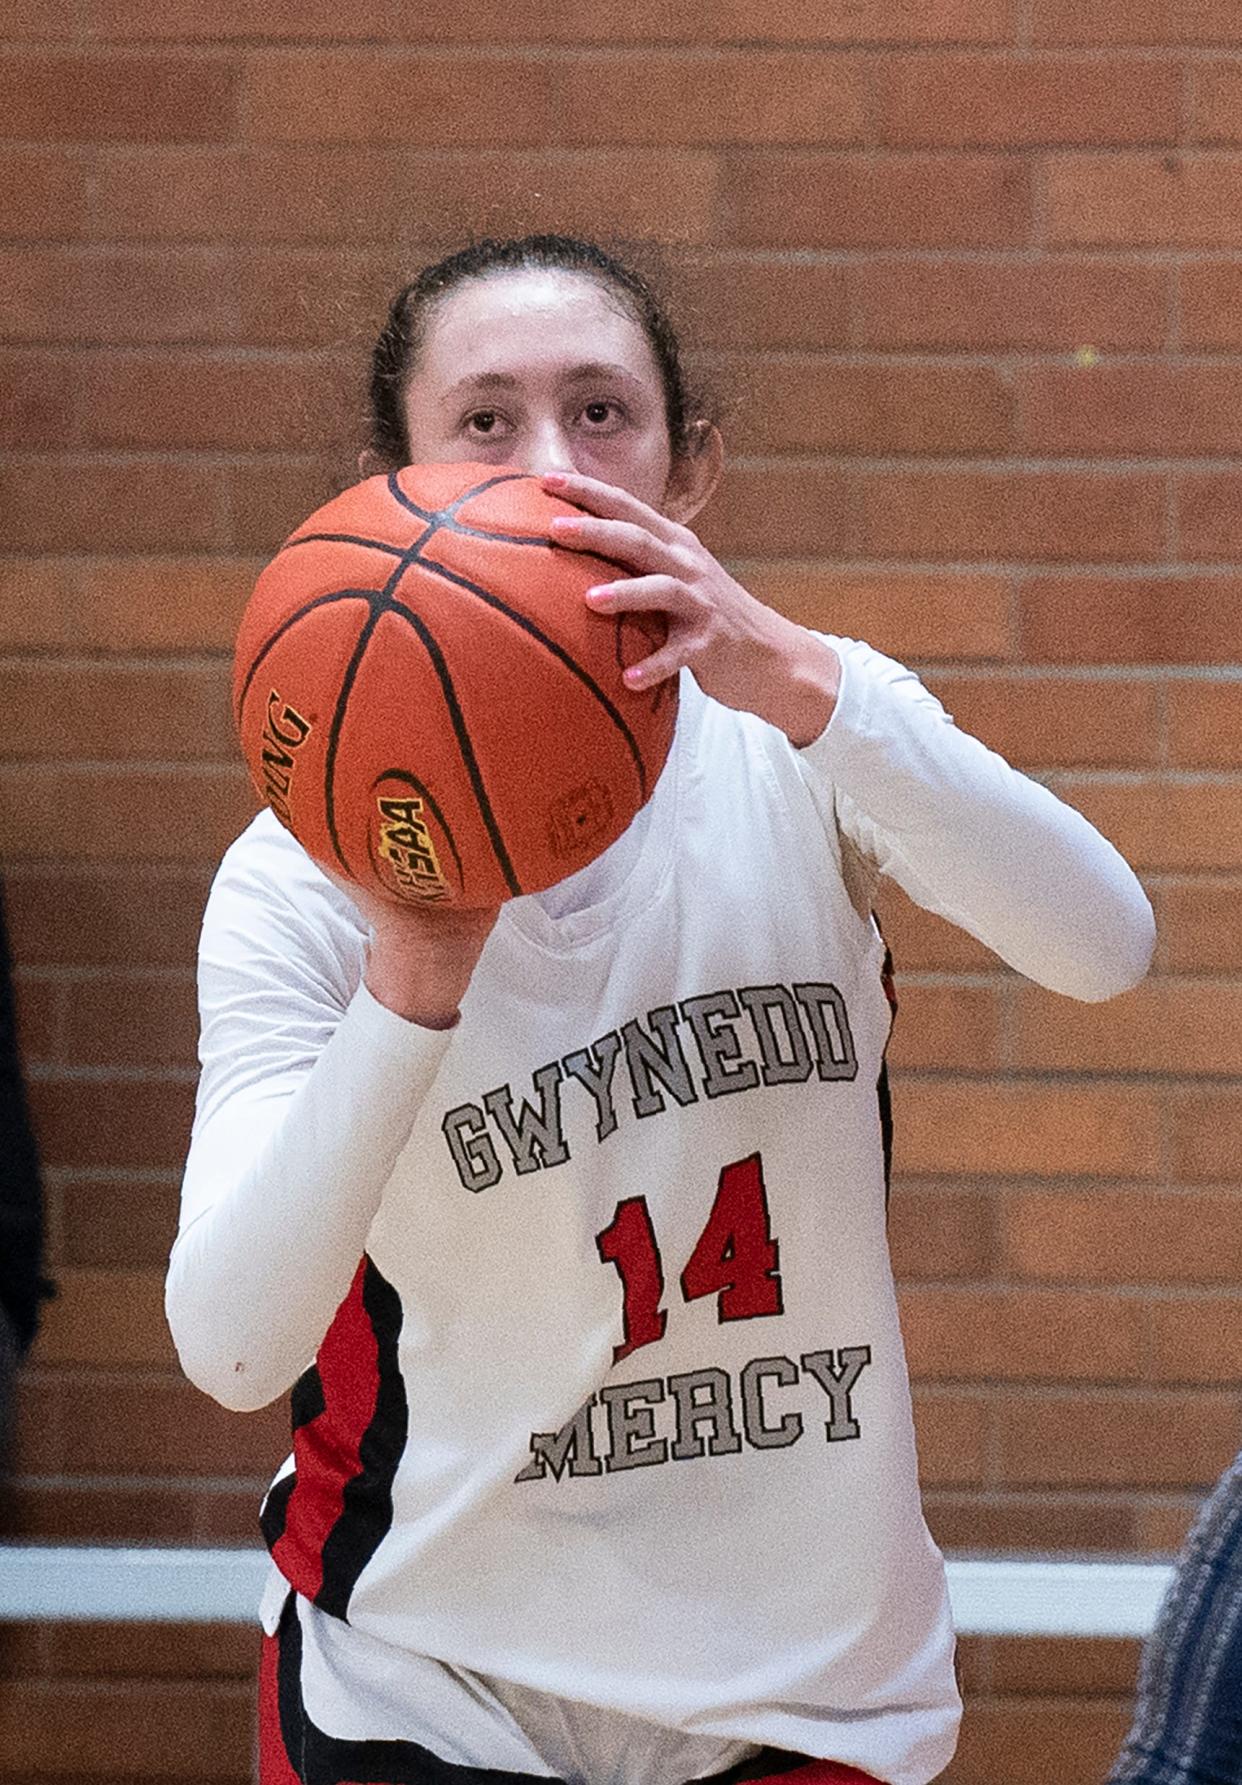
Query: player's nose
x,y
549,449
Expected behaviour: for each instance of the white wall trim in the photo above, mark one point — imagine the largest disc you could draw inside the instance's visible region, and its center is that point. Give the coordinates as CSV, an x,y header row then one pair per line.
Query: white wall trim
x,y
998,1596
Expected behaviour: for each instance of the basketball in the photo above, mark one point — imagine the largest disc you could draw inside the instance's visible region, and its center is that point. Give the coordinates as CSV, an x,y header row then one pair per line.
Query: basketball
x,y
425,700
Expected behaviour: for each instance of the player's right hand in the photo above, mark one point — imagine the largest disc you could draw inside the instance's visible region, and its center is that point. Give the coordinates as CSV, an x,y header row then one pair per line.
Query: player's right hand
x,y
421,957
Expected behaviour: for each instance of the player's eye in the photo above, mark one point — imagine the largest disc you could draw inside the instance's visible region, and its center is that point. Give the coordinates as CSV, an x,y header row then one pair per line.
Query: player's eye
x,y
603,413
483,421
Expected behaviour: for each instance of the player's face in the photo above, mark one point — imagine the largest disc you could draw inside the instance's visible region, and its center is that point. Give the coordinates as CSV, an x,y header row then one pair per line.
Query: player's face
x,y
545,371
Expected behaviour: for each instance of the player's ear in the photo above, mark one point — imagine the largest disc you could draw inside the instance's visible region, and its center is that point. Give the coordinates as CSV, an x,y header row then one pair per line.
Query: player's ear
x,y
695,473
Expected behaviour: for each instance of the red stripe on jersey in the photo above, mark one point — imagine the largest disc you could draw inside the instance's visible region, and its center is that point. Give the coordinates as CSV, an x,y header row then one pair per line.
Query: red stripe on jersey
x,y
275,1767
344,1458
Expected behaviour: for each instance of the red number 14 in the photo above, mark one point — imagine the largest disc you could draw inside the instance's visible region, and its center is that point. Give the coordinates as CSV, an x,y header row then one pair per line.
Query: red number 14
x,y
736,1259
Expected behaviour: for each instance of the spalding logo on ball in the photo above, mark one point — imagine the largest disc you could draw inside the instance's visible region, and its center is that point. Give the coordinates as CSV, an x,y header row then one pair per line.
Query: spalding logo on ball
x,y
425,700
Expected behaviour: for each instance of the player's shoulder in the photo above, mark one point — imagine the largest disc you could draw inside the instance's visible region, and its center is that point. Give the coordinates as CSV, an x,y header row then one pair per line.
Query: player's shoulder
x,y
267,869
266,852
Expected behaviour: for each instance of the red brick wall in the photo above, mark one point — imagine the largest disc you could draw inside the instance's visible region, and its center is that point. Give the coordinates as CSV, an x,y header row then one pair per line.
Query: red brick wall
x,y
973,270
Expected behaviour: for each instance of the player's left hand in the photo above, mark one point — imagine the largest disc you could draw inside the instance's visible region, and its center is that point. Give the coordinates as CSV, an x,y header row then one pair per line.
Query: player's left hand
x,y
741,652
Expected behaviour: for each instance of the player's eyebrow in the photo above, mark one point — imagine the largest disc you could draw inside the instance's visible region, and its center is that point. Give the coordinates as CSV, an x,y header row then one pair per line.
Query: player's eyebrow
x,y
596,369
479,383
482,381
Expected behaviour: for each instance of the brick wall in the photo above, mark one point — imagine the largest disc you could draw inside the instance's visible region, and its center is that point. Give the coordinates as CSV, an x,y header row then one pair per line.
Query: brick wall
x,y
973,271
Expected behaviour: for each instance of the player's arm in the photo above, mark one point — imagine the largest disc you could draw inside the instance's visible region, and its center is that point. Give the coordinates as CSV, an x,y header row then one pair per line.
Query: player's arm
x,y
971,838
310,1086
960,830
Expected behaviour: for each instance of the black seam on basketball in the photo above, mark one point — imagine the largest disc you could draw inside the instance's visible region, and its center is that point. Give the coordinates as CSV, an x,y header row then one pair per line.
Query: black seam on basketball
x,y
453,508
367,595
424,793
558,651
464,744
409,556
407,502
432,516
377,545
463,531
662,690
447,517
406,556
435,514
489,483
338,719
454,523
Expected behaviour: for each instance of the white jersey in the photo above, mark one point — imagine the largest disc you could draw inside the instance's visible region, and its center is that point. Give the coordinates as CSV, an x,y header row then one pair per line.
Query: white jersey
x,y
615,1408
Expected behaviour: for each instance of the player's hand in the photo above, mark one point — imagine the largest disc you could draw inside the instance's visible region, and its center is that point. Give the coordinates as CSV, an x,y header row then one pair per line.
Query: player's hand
x,y
421,957
741,652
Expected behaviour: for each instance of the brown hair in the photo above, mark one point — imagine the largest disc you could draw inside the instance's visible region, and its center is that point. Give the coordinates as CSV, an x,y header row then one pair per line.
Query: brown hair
x,y
397,346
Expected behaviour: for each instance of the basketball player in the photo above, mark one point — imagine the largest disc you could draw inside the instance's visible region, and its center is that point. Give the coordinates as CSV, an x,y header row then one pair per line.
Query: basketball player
x,y
565,1224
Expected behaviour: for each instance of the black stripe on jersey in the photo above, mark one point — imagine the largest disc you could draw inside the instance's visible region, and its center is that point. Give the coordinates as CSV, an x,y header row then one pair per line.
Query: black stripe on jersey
x,y
306,1403
886,1128
882,1090
321,1759
306,1398
274,1513
366,1513
768,1763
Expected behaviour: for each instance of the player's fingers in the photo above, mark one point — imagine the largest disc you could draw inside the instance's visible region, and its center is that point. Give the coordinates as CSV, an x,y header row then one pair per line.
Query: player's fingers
x,y
658,667
640,594
607,501
623,542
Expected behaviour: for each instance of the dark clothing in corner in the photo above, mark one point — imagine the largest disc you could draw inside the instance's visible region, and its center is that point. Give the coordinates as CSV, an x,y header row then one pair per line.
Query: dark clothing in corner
x,y
1188,1722
22,1284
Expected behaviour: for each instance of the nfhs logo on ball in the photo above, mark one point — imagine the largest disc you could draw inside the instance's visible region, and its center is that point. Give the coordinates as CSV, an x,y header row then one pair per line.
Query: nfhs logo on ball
x,y
428,622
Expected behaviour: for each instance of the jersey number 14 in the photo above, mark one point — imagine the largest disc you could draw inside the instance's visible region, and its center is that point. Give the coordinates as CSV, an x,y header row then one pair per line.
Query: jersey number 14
x,y
735,1259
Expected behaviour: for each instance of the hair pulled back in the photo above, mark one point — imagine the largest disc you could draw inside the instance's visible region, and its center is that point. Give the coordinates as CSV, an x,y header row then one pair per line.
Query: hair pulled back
x,y
400,340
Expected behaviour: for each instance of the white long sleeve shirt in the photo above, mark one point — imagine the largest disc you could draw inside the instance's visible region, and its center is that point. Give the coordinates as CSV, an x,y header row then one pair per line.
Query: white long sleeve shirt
x,y
614,1408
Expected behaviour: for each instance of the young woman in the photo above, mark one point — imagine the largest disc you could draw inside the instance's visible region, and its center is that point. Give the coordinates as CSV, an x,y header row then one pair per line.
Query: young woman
x,y
603,1468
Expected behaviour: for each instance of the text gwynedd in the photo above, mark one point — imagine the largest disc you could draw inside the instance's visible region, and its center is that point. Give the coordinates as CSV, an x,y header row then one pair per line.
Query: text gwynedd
x,y
739,1040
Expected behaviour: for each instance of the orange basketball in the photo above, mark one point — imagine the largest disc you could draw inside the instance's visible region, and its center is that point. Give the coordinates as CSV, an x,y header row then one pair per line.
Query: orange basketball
x,y
425,700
